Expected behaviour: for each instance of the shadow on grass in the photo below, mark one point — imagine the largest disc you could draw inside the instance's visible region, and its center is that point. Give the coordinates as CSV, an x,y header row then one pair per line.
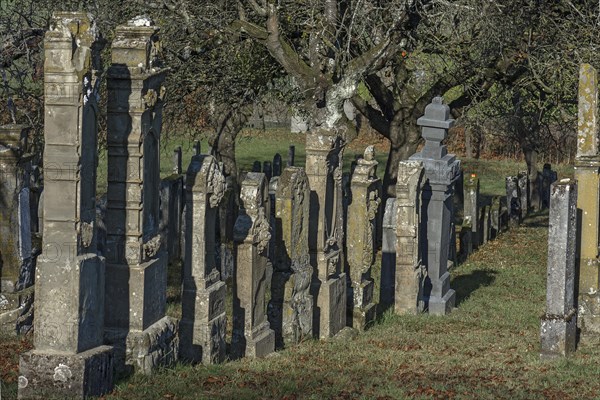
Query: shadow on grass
x,y
465,285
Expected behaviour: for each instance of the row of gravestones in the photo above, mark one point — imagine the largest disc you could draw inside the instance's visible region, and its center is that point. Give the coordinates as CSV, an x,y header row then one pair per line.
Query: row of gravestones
x,y
101,309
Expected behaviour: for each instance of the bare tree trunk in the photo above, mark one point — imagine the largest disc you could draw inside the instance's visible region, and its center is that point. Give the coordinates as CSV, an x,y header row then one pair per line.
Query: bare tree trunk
x,y
404,140
531,156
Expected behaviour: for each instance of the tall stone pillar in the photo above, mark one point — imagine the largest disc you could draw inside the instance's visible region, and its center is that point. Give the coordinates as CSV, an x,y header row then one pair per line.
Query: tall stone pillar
x,y
203,322
441,171
252,334
69,359
16,261
471,202
410,272
587,168
361,242
291,306
559,323
324,152
136,279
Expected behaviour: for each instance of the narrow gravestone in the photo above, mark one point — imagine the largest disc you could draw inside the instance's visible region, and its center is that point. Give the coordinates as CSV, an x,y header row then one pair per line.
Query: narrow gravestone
x,y
136,270
361,238
495,212
559,323
486,224
267,169
69,358
291,306
587,175
513,201
228,210
324,152
548,178
441,171
472,213
256,166
387,287
203,320
523,182
410,272
252,335
291,156
277,164
197,148
177,168
17,262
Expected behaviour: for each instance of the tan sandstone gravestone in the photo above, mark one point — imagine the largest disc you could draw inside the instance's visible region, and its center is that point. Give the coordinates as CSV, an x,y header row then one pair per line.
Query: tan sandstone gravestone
x,y
361,238
136,280
324,152
203,322
69,359
291,306
587,167
252,334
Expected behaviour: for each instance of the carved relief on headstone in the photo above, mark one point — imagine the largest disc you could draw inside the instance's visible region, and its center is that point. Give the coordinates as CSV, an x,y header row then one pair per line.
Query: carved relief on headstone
x,y
69,288
252,335
291,306
361,238
136,276
203,322
441,171
410,271
324,152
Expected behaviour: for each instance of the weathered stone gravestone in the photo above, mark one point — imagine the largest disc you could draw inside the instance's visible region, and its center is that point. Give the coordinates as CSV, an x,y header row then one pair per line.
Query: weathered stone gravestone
x,y
326,231
136,278
472,211
291,306
410,271
252,335
441,171
495,214
513,201
69,359
228,209
548,178
171,208
291,156
361,239
587,169
387,287
559,323
17,263
203,320
523,182
485,224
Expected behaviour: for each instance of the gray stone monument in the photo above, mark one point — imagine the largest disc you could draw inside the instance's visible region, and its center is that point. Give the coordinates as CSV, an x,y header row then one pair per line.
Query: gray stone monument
x,y
69,359
252,335
203,320
387,287
495,213
472,213
324,152
291,306
441,171
136,277
410,271
523,183
513,201
361,240
17,263
291,156
559,323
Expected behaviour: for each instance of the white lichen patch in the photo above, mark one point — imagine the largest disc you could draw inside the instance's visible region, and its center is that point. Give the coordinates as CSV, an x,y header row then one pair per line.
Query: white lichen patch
x,y
62,373
141,20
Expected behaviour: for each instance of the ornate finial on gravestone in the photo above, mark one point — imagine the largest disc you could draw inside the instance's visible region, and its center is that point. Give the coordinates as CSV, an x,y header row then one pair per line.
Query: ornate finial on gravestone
x,y
435,124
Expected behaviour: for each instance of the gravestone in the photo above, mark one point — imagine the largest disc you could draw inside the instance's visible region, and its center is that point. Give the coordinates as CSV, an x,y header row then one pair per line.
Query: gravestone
x,y
523,182
495,223
559,323
256,166
410,271
513,201
227,215
441,171
291,156
277,164
17,261
471,209
267,169
324,151
252,335
291,306
197,147
587,169
69,359
387,288
203,320
548,178
136,278
361,239
177,168
486,224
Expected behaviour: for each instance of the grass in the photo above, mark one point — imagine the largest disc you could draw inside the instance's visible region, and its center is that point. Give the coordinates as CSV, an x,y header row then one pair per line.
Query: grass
x,y
487,348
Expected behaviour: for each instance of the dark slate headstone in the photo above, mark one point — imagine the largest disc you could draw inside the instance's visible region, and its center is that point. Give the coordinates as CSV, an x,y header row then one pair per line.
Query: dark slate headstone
x,y
277,163
291,156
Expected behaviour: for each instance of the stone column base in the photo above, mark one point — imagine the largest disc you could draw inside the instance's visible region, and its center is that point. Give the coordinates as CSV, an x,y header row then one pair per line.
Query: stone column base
x,y
558,335
258,344
364,310
330,299
589,314
442,305
66,376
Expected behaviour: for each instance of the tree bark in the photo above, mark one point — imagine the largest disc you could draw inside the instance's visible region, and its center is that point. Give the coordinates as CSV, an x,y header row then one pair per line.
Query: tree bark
x,y
404,139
